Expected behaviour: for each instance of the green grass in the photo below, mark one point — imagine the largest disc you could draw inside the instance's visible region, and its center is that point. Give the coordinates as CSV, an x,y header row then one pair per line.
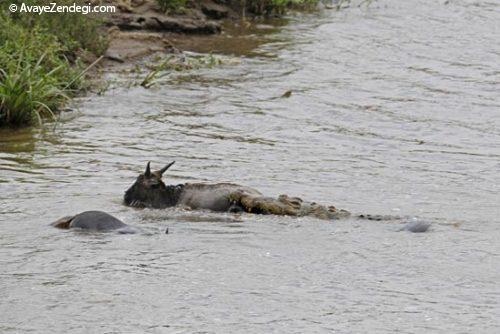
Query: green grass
x,y
74,31
28,93
171,5
40,62
266,7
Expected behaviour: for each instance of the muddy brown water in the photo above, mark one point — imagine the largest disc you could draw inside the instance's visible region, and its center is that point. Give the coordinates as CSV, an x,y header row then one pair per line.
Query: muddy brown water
x,y
394,110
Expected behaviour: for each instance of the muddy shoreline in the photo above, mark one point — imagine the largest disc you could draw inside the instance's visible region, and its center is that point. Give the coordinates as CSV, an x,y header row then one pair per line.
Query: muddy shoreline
x,y
140,29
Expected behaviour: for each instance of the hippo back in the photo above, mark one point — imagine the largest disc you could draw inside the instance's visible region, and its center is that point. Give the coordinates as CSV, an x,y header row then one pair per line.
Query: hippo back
x,y
96,220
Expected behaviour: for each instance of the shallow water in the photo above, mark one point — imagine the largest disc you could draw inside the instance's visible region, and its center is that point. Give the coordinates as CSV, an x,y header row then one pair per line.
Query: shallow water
x,y
394,110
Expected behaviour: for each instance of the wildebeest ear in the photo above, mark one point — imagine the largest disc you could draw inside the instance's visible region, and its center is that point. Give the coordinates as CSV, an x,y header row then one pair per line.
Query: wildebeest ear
x,y
164,169
147,173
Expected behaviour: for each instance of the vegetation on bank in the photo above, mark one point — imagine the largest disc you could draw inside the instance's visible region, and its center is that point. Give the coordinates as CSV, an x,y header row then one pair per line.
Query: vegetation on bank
x,y
263,7
40,61
257,7
168,5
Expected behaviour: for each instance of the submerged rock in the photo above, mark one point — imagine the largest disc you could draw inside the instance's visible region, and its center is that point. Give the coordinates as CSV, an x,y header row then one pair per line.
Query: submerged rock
x,y
416,226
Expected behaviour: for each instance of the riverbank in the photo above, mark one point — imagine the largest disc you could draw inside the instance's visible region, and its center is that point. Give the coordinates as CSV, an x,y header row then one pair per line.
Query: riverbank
x,y
45,59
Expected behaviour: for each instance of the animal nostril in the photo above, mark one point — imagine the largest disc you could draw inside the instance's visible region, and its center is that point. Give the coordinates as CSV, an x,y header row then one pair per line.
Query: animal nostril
x,y
235,208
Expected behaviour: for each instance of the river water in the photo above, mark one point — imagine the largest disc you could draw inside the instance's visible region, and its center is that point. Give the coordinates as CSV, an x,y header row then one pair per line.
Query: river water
x,y
394,110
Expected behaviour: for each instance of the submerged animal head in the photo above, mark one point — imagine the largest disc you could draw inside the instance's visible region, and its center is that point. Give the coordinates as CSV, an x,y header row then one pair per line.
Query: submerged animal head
x,y
150,191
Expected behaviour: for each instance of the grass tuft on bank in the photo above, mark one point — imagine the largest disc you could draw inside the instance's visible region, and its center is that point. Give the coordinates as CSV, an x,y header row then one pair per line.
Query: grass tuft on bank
x,y
267,7
171,5
256,7
40,62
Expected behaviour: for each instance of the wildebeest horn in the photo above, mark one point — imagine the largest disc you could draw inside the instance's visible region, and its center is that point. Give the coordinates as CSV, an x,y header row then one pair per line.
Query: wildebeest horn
x,y
163,170
147,173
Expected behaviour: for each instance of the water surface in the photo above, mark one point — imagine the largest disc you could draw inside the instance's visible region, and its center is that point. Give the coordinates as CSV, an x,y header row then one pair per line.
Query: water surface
x,y
394,110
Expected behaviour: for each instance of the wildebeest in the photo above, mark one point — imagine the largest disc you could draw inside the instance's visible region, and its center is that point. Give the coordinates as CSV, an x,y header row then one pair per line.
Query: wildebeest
x,y
94,221
149,190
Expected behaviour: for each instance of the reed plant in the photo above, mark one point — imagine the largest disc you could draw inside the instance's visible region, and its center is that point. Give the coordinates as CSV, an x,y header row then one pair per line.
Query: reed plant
x,y
28,93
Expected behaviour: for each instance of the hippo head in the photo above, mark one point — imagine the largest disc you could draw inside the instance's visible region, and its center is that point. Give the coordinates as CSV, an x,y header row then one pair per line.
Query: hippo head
x,y
150,191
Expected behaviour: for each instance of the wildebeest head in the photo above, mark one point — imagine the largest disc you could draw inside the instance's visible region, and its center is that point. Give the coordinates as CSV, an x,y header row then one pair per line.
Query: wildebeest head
x,y
150,191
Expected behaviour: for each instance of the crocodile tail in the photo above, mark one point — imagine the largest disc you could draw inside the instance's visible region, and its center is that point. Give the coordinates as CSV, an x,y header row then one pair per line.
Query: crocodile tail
x,y
378,217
